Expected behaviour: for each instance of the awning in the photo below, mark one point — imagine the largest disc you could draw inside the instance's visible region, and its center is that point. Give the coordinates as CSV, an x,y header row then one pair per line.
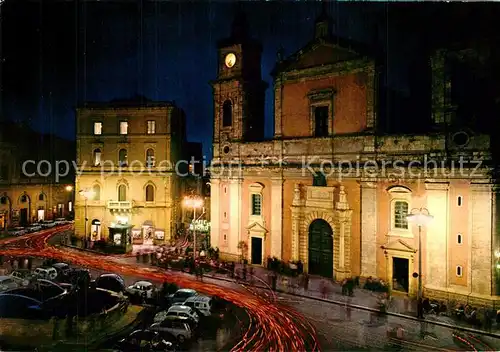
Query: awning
x,y
120,226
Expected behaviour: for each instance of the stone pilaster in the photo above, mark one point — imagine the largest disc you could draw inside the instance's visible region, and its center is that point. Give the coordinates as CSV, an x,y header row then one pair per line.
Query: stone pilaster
x,y
296,224
343,216
481,250
235,195
495,228
214,212
371,98
276,217
436,236
278,90
368,229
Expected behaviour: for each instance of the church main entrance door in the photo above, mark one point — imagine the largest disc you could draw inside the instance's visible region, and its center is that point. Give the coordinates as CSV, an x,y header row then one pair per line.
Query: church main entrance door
x,y
320,248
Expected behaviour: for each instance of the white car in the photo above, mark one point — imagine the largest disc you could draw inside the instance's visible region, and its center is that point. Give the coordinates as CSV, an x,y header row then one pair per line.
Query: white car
x,y
177,326
142,287
45,273
18,231
7,283
201,303
22,277
183,311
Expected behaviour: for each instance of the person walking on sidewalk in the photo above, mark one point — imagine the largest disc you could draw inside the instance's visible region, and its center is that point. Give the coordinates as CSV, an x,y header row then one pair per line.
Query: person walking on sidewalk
x,y
305,283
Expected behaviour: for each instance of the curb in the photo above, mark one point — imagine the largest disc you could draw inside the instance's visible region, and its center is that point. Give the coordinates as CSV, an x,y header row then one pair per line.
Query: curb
x,y
340,303
372,310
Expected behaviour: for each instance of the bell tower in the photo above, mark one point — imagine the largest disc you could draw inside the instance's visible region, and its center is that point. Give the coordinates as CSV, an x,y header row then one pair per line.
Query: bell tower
x,y
238,91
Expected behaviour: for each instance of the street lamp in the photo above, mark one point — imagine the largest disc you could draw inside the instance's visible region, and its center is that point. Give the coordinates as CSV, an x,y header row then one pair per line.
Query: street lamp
x,y
420,217
193,202
86,194
69,188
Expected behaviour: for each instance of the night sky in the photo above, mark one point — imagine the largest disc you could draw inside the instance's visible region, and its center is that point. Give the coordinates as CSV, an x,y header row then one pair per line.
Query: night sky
x,y
58,54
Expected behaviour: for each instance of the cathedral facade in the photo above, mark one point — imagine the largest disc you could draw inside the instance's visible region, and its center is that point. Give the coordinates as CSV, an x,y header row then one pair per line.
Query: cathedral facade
x,y
332,190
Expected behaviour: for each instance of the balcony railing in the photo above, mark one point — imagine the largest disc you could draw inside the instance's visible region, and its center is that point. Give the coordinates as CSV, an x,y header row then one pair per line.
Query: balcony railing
x,y
120,205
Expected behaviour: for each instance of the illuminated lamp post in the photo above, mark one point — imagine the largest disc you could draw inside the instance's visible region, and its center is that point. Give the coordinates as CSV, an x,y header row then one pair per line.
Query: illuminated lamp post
x,y
86,194
69,189
193,202
420,217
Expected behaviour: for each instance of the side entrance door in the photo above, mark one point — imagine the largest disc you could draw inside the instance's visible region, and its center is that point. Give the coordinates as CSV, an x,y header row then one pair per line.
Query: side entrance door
x,y
257,250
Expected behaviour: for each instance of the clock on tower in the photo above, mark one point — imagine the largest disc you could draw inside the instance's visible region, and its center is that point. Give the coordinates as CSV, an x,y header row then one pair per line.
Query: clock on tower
x,y
238,90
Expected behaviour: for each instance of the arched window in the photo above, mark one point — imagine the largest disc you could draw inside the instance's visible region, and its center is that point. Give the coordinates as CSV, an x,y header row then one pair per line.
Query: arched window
x,y
150,158
97,157
41,197
122,157
24,198
3,200
97,192
122,193
227,114
150,193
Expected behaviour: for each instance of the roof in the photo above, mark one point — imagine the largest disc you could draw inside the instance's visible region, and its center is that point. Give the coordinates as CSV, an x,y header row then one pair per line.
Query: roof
x,y
137,101
323,51
179,308
186,290
142,283
199,298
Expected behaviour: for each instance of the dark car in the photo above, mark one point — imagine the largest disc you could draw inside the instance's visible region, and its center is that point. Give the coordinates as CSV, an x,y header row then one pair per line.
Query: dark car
x,y
51,296
110,282
63,270
79,277
146,340
15,306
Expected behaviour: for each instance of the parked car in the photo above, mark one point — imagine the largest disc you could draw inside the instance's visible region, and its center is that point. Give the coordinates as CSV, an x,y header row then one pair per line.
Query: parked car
x,y
7,283
111,282
51,296
183,311
17,231
79,276
200,303
180,327
21,276
141,289
62,269
33,228
146,340
46,273
181,295
15,306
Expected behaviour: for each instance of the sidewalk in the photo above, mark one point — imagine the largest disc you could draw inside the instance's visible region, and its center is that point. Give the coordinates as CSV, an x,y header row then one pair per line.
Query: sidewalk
x,y
363,299
364,328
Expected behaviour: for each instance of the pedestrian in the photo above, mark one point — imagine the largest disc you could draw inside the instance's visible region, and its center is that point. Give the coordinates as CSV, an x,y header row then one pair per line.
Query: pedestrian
x,y
306,282
348,309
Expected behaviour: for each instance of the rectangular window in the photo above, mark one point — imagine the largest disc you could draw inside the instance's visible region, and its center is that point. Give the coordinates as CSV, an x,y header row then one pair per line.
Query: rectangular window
x,y
151,127
256,204
400,214
123,127
321,121
97,128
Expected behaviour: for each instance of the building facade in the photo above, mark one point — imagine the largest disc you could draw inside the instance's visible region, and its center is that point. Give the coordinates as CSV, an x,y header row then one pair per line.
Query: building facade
x,y
333,190
30,190
128,155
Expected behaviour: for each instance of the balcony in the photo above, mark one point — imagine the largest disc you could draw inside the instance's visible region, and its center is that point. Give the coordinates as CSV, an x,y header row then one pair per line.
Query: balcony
x,y
115,205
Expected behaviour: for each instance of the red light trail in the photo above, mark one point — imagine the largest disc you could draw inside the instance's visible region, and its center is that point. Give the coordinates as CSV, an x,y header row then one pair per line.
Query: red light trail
x,y
272,327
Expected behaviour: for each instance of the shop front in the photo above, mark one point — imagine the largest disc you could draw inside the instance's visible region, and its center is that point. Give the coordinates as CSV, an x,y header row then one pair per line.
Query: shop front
x,y
120,235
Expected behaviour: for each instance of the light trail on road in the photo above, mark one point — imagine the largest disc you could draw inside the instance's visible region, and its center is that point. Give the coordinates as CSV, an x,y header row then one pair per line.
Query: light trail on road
x,y
272,327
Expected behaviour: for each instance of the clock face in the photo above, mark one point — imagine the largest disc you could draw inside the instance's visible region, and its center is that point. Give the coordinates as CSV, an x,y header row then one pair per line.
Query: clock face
x,y
230,60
